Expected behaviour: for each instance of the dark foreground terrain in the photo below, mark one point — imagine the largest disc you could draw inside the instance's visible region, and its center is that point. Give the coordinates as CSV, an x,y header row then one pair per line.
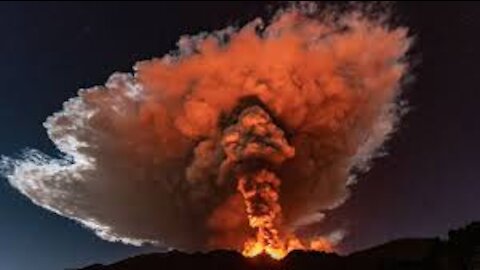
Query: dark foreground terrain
x,y
460,251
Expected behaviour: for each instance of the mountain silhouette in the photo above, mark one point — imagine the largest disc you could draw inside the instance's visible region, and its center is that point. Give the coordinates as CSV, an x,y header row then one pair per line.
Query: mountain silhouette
x,y
460,251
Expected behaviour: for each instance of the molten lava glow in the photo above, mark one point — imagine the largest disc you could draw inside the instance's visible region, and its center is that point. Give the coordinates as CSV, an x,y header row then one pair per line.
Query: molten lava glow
x,y
255,247
260,193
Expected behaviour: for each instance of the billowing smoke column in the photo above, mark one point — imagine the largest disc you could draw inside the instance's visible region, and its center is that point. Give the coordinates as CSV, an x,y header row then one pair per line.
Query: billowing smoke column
x,y
249,143
237,140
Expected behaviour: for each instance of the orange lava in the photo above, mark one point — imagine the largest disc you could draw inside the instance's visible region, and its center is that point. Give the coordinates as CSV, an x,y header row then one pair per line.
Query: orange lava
x,y
255,247
263,186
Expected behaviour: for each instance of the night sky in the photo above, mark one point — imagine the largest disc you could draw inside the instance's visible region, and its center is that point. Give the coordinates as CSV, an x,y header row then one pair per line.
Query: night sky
x,y
427,184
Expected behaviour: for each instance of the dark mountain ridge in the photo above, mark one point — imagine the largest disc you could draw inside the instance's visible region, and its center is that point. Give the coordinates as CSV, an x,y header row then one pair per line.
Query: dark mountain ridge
x,y
460,251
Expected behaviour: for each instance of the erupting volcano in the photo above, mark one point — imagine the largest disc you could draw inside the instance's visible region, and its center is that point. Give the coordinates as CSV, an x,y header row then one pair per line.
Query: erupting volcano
x,y
254,146
256,139
239,139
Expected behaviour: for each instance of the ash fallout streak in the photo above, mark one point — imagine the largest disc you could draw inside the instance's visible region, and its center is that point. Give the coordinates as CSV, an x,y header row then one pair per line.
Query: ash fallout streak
x,y
238,140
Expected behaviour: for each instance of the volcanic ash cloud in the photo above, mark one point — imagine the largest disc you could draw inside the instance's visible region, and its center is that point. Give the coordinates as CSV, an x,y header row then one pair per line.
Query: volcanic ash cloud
x,y
173,153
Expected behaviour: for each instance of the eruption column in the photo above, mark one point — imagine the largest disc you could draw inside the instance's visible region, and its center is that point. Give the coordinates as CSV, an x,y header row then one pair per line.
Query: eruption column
x,y
254,146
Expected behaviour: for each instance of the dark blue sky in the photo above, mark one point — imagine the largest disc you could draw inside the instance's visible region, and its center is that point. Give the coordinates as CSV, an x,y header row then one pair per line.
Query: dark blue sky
x,y
427,185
